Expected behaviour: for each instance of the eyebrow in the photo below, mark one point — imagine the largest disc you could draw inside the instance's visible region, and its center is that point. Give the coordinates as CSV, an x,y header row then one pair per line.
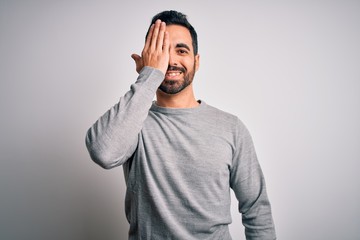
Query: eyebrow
x,y
183,45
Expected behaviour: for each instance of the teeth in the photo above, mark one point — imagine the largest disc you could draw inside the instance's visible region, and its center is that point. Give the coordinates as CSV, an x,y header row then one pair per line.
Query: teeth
x,y
173,74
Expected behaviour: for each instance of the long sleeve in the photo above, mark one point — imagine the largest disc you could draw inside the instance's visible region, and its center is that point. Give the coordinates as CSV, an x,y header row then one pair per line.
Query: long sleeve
x,y
248,183
112,139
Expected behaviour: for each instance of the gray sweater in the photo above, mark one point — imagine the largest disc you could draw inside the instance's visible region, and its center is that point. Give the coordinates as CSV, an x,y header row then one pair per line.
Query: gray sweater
x,y
179,166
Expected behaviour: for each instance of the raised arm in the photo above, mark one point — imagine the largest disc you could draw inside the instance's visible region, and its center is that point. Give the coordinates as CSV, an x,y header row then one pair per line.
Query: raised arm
x,y
113,137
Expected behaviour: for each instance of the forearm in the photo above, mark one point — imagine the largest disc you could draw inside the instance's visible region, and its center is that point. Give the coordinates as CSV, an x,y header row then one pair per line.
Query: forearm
x,y
113,137
254,206
257,219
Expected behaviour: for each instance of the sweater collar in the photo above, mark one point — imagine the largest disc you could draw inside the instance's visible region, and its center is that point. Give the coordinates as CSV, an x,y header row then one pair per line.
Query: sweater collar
x,y
165,110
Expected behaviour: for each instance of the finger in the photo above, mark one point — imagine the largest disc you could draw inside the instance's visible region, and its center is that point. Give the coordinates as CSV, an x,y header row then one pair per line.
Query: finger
x,y
155,34
149,37
160,40
135,57
166,43
138,62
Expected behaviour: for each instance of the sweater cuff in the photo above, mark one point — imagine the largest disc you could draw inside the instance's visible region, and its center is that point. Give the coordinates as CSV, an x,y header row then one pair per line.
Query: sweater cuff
x,y
151,77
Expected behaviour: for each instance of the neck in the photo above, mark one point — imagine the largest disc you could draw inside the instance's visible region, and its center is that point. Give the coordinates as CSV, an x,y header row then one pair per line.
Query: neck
x,y
183,99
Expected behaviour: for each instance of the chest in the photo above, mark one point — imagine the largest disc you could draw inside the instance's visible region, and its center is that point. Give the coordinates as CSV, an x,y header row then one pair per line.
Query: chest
x,y
195,147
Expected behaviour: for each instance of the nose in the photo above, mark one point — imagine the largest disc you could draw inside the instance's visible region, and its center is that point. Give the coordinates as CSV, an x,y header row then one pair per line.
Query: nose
x,y
173,60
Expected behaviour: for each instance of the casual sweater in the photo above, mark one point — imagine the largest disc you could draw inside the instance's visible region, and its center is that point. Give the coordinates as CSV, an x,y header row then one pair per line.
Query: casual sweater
x,y
179,165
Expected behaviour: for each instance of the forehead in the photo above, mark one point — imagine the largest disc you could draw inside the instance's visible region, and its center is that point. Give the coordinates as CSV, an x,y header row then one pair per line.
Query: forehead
x,y
179,34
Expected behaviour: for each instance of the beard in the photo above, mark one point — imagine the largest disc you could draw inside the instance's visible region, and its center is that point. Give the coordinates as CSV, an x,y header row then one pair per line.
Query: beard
x,y
176,86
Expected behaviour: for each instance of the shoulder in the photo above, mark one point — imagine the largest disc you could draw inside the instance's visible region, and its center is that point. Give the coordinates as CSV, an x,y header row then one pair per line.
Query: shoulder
x,y
221,115
223,119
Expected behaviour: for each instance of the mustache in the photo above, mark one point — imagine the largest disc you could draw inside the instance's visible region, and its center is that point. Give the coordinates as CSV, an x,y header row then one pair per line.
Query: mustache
x,y
174,68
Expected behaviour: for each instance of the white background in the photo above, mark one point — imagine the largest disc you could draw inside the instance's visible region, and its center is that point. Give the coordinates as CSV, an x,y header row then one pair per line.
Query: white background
x,y
289,69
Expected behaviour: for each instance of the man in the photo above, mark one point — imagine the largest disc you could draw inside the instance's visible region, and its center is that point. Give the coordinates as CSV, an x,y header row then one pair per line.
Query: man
x,y
180,156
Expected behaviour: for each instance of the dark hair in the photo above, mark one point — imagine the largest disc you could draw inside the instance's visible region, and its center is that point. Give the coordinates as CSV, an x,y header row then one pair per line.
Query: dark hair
x,y
177,18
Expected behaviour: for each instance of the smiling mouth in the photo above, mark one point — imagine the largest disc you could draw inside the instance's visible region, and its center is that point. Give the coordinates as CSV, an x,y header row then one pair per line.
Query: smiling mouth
x,y
172,74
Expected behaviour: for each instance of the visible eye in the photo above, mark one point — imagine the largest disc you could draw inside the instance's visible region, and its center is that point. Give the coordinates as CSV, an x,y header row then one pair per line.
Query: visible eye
x,y
182,51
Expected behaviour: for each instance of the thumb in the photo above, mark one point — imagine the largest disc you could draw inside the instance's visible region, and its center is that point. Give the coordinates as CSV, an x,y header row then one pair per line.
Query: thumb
x,y
138,62
135,57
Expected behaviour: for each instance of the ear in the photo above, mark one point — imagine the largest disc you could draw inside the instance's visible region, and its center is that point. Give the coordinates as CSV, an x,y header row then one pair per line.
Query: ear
x,y
197,62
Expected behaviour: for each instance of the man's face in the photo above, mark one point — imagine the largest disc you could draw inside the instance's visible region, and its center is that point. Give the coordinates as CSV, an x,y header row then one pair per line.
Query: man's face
x,y
182,63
